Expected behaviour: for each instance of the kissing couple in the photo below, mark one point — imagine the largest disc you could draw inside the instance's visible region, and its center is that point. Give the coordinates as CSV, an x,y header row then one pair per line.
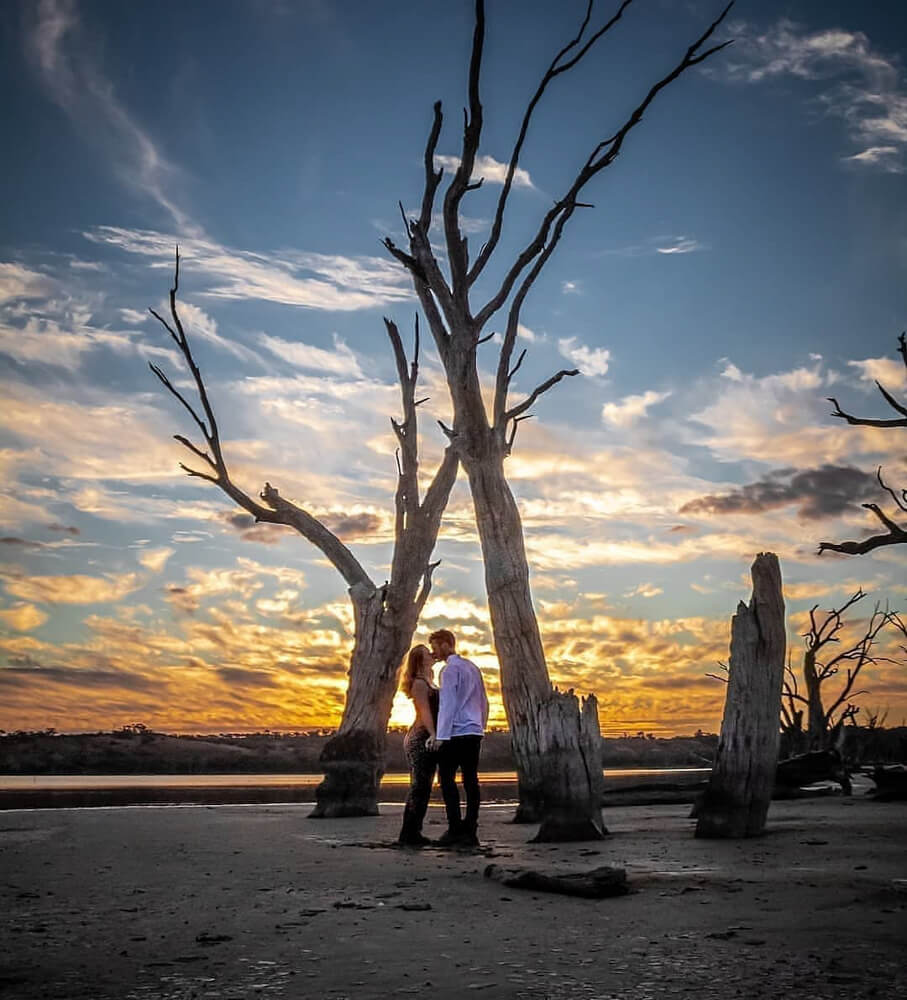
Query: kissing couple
x,y
446,735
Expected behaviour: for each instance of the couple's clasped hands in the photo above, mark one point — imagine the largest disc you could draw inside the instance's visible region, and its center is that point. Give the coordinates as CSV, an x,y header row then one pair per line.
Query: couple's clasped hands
x,y
433,744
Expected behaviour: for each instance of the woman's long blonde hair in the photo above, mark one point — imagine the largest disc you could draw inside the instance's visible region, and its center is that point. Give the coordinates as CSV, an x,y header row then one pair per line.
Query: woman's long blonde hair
x,y
411,670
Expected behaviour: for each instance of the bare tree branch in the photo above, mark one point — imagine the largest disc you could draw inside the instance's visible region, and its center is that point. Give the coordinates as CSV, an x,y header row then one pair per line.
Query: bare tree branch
x,y
407,494
899,498
554,70
602,156
529,401
472,132
867,421
278,510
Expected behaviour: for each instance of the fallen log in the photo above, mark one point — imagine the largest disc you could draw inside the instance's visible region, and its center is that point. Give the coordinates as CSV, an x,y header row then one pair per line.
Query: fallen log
x,y
890,783
598,883
808,768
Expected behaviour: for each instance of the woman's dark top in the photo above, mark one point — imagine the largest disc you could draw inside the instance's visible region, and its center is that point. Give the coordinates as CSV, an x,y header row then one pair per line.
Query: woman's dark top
x,y
417,733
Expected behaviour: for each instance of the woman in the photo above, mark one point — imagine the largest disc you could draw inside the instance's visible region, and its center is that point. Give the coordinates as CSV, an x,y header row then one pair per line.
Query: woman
x,y
418,684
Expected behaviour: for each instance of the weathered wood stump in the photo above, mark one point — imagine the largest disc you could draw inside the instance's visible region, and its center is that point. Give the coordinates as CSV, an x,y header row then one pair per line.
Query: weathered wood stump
x,y
598,883
353,765
737,797
561,783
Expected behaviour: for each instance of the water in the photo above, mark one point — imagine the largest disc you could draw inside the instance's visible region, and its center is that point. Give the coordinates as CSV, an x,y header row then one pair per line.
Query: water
x,y
80,782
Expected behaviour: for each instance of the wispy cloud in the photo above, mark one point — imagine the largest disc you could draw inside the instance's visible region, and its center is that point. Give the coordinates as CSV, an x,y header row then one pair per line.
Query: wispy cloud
x,y
198,323
340,361
589,360
18,282
529,335
64,335
679,244
857,82
631,409
63,53
78,588
666,245
489,169
784,415
289,277
886,371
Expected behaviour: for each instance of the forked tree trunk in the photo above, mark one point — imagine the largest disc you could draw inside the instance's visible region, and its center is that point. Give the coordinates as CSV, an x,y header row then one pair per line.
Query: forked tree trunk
x,y
385,617
556,746
736,800
353,758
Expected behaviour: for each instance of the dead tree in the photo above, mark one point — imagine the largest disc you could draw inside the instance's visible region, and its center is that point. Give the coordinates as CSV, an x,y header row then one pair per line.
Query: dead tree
x,y
737,797
824,722
385,616
896,534
793,737
548,731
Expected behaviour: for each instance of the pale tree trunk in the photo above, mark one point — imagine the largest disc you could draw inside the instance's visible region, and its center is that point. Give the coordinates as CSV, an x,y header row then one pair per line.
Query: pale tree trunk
x,y
736,800
353,758
555,745
557,748
384,617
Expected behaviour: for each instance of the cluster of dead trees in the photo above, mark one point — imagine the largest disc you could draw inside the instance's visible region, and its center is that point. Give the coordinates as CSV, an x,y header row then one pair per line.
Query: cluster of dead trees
x,y
555,735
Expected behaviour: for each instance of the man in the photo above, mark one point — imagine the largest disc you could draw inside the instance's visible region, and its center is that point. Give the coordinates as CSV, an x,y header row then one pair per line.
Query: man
x,y
462,715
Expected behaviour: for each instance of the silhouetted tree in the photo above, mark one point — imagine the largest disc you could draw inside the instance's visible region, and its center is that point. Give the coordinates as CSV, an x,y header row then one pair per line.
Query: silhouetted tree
x,y
385,616
826,714
896,534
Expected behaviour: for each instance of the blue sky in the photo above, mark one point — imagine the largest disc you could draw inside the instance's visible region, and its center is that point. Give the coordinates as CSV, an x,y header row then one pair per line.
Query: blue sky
x,y
745,259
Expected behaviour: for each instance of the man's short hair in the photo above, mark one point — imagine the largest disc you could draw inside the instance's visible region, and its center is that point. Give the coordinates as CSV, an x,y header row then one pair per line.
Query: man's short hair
x,y
444,635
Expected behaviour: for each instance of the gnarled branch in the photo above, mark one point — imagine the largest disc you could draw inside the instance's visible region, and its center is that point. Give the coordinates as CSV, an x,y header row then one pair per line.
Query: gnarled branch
x,y
554,70
278,510
529,401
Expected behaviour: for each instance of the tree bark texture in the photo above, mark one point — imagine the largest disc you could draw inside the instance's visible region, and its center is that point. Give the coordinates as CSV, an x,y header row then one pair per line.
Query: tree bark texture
x,y
385,619
737,797
556,742
353,758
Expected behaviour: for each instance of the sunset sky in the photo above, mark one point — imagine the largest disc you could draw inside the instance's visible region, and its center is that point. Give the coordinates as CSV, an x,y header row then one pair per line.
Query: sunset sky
x,y
744,260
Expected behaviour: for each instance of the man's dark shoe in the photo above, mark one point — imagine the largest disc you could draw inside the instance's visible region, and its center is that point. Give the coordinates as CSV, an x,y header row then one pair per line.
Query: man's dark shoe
x,y
450,838
413,840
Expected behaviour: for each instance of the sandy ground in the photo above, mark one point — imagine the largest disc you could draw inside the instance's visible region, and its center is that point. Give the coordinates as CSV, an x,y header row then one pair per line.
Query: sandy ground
x,y
244,901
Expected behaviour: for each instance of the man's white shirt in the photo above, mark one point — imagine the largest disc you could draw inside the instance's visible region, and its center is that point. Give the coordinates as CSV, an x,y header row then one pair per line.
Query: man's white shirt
x,y
463,708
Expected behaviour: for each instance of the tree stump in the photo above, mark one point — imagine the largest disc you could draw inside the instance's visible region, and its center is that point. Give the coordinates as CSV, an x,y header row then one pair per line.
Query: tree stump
x,y
737,797
565,785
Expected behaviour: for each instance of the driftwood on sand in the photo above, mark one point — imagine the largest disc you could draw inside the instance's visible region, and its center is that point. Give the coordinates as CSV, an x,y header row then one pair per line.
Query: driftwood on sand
x,y
598,883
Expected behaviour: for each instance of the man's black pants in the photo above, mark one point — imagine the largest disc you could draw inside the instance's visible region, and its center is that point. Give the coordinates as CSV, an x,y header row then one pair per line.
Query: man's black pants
x,y
460,753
